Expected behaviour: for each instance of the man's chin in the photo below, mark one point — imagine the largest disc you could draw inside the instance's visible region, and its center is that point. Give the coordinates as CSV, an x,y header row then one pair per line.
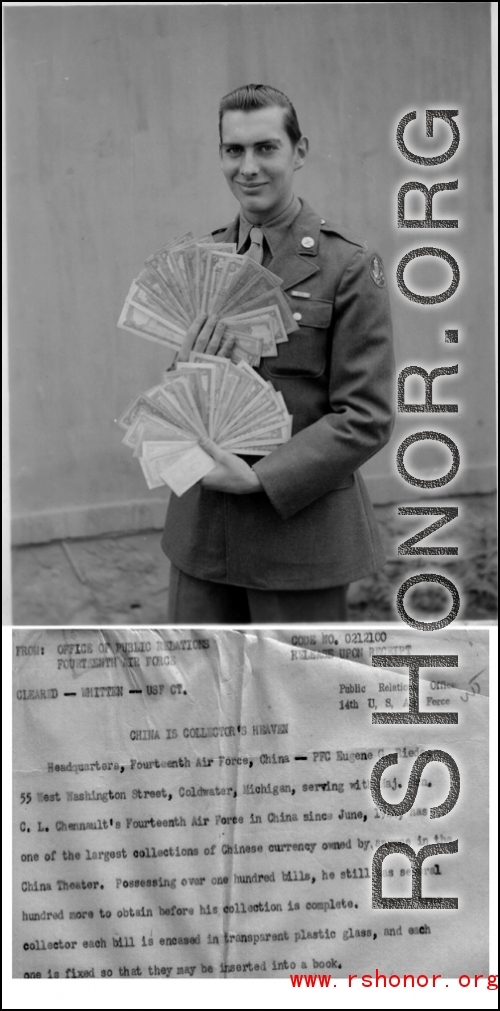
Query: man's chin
x,y
254,204
252,198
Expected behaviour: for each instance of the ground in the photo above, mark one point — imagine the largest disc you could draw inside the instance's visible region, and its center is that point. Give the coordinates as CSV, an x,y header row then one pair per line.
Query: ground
x,y
123,580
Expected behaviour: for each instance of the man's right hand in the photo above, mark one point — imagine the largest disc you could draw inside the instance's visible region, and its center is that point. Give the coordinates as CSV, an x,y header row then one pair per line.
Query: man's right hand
x,y
206,336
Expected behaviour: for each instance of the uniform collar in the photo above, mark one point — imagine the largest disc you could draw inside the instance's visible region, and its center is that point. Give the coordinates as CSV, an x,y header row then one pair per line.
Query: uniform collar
x,y
293,261
275,230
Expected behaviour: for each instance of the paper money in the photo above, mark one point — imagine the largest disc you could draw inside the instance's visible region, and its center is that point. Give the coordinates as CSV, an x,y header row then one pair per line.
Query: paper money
x,y
248,349
143,403
189,276
261,327
265,301
182,474
161,298
220,397
144,427
270,317
207,396
138,322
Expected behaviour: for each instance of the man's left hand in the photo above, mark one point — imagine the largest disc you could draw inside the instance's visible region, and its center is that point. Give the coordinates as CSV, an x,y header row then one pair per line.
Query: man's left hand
x,y
231,473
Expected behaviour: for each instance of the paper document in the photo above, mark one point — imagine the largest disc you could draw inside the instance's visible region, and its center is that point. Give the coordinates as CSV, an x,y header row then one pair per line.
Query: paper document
x,y
194,803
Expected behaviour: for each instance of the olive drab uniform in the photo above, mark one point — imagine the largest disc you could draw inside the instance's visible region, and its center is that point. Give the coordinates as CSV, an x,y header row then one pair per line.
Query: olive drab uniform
x,y
312,526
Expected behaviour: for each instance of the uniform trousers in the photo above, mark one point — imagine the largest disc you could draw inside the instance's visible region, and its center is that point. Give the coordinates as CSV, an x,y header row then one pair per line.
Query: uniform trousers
x,y
202,602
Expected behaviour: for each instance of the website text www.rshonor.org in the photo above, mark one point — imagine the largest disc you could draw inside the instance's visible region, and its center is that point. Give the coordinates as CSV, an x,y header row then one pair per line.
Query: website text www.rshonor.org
x,y
407,980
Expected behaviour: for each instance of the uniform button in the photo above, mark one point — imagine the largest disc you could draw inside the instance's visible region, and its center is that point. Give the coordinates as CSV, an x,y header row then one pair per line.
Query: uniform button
x,y
307,242
297,316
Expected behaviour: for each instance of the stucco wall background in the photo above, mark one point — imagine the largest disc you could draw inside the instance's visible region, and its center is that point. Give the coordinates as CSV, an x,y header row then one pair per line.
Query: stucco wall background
x,y
112,148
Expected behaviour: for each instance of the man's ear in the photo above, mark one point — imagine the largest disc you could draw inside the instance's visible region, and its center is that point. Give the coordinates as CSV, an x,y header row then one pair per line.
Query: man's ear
x,y
300,153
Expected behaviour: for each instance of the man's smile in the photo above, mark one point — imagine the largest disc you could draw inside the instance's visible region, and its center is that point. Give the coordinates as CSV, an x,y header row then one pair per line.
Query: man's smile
x,y
250,186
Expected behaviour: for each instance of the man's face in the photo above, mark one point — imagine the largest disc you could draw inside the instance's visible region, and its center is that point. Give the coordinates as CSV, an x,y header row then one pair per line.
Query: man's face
x,y
259,161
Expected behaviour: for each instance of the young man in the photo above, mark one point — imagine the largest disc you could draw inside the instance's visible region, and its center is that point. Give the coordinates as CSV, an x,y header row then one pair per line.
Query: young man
x,y
280,539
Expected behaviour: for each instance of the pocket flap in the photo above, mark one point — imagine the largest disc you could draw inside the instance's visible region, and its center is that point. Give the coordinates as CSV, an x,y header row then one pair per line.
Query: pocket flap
x,y
314,312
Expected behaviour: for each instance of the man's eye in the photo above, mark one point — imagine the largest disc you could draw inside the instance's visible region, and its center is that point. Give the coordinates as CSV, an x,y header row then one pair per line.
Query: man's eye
x,y
233,151
267,148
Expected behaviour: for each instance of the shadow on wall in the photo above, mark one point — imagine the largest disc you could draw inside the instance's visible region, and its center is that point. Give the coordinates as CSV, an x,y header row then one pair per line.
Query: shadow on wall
x,y
124,580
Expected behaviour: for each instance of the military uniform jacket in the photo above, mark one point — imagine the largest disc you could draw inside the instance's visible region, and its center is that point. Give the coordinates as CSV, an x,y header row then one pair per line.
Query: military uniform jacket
x,y
313,524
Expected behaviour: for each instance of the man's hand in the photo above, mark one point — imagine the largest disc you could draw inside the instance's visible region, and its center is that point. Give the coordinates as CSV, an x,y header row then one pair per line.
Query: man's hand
x,y
231,473
206,336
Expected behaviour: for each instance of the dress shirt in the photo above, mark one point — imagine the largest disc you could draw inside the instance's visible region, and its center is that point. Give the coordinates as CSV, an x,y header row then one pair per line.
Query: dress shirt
x,y
274,231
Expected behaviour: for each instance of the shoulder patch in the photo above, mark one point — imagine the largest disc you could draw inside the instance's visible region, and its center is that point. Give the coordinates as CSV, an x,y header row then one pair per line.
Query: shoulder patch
x,y
377,271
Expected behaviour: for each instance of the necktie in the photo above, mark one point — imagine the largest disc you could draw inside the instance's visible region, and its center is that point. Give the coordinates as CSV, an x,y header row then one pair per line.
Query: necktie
x,y
256,251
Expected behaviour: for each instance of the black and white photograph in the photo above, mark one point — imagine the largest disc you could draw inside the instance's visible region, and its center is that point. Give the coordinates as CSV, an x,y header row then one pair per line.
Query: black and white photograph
x,y
304,193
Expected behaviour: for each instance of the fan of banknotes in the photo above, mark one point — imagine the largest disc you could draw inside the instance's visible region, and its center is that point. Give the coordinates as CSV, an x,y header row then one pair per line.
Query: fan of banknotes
x,y
206,396
191,276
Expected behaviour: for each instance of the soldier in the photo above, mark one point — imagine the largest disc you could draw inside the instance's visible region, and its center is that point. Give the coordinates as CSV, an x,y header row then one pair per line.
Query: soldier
x,y
280,539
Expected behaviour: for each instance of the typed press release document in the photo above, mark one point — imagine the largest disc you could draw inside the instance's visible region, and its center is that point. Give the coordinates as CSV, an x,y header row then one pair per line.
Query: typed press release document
x,y
192,803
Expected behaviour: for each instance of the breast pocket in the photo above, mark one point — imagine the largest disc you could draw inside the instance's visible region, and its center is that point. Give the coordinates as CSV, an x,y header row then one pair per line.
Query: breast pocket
x,y
307,350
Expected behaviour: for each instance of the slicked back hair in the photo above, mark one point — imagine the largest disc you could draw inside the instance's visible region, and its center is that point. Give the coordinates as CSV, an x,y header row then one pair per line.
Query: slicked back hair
x,y
261,96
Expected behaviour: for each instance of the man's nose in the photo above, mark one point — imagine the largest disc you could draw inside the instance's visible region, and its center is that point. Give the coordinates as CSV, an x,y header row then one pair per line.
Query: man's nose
x,y
249,165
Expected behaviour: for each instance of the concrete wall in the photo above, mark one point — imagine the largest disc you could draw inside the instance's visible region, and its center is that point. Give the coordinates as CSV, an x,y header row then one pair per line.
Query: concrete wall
x,y
112,148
